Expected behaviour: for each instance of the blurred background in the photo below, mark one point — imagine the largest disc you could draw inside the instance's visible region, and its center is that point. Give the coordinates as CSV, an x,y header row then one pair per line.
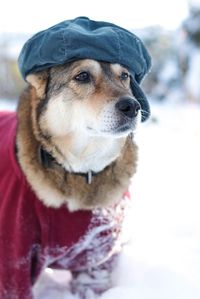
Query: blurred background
x,y
163,260
170,30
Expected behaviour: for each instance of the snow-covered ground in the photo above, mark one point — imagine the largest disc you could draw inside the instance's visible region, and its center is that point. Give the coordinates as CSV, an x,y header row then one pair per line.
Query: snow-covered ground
x,y
163,259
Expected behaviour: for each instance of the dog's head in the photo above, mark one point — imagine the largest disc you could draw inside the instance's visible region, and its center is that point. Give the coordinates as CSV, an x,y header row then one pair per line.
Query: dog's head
x,y
86,96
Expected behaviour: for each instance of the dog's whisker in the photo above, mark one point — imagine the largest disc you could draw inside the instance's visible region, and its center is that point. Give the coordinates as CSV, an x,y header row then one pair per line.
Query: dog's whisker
x,y
144,112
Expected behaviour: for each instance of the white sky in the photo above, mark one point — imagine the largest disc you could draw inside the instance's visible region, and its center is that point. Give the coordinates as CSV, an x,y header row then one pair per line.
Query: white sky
x,y
32,16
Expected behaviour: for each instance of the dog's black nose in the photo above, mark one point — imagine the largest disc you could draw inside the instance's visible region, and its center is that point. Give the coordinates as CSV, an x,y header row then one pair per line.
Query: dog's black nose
x,y
128,107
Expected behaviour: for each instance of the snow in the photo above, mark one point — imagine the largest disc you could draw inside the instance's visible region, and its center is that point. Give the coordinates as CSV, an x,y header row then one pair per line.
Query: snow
x,y
163,258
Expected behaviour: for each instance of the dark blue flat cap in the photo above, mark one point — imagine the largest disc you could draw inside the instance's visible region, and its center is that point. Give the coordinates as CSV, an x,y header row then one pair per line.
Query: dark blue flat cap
x,y
83,38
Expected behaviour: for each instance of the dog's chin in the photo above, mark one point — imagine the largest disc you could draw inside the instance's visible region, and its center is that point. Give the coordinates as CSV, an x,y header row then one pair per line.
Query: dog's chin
x,y
123,131
118,132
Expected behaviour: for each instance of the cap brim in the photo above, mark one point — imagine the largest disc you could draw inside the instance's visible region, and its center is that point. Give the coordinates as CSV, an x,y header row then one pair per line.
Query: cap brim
x,y
141,98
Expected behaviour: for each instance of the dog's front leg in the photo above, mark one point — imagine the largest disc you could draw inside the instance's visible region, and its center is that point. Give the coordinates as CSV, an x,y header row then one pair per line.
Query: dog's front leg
x,y
90,283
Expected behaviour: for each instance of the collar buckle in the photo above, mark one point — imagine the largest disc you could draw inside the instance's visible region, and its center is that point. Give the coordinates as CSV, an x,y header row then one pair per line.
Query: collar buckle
x,y
89,177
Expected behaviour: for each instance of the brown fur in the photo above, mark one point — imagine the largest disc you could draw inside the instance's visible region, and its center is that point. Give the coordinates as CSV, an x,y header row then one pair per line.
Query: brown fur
x,y
107,187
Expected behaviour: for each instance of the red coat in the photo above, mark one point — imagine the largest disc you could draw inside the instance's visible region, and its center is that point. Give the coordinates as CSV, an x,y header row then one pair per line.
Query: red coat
x,y
33,236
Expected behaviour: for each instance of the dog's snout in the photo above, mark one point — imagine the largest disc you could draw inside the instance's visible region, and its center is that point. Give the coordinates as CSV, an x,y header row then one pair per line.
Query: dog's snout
x,y
128,107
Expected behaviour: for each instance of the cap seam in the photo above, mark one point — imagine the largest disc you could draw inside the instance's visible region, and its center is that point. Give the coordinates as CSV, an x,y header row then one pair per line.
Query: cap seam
x,y
118,42
64,40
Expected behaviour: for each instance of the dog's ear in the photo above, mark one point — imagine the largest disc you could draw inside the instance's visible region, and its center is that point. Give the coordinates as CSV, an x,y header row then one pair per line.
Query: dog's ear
x,y
39,81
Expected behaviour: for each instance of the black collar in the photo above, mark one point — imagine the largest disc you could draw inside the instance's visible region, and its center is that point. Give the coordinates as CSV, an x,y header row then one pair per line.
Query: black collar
x,y
47,160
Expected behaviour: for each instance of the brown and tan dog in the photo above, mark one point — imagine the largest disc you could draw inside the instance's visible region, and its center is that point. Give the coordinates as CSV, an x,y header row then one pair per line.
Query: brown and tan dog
x,y
82,114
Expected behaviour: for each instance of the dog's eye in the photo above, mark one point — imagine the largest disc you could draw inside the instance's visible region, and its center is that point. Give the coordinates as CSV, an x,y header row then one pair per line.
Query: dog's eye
x,y
124,76
83,77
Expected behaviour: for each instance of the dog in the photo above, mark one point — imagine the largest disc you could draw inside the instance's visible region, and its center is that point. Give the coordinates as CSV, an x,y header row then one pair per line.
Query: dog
x,y
67,160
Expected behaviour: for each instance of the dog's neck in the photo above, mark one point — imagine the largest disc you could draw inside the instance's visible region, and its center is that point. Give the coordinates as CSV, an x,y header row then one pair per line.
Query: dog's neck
x,y
83,153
